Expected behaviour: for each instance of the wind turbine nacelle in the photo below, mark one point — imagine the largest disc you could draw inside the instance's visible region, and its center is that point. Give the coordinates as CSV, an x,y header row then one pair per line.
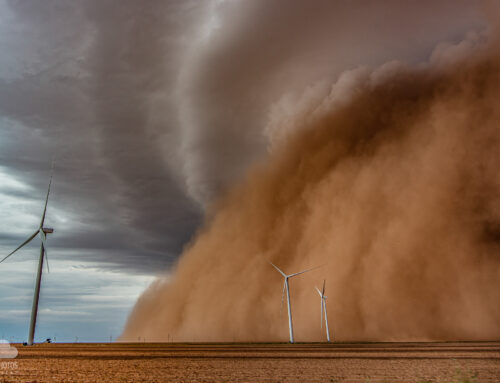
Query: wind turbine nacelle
x,y
48,230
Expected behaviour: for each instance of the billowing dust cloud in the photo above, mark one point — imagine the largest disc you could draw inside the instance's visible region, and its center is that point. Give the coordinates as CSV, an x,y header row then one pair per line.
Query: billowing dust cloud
x,y
391,181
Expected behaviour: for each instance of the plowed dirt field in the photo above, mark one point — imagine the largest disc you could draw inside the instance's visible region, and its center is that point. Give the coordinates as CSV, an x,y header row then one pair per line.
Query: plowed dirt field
x,y
336,362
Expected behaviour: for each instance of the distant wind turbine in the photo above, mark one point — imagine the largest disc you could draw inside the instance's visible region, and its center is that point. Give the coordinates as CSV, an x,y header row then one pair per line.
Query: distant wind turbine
x,y
42,231
287,288
323,309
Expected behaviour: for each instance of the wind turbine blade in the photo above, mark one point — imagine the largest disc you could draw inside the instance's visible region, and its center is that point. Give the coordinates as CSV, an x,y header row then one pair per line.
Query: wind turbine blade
x,y
322,303
324,282
44,244
47,198
319,292
282,298
305,271
24,243
276,267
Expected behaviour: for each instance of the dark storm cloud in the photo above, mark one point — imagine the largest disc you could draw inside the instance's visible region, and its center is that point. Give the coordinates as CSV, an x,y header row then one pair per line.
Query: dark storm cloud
x,y
85,95
128,74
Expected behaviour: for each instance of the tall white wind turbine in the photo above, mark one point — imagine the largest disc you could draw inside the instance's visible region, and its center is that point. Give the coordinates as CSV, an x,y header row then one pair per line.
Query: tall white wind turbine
x,y
287,288
323,310
42,231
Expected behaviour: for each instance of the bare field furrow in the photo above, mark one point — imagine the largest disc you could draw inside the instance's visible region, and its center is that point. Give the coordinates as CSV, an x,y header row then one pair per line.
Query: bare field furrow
x,y
155,362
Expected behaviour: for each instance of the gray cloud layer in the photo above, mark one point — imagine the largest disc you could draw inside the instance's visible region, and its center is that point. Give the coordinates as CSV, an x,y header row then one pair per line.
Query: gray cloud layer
x,y
92,72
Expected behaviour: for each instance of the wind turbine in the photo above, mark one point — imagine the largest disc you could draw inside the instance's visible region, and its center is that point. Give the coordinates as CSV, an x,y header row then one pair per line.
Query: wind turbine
x,y
323,309
287,288
42,231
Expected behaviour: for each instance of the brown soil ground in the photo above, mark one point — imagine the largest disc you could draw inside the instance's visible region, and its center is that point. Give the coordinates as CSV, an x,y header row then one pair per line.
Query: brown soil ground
x,y
338,362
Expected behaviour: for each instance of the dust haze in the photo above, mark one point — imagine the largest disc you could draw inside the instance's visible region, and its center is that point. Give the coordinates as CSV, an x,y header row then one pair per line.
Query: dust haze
x,y
389,178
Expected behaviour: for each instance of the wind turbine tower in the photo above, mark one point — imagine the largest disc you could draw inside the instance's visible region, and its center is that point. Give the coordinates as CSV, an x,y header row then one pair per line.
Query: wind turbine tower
x,y
287,288
323,309
42,231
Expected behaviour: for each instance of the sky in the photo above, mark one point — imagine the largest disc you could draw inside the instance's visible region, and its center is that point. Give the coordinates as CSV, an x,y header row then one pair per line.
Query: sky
x,y
151,110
